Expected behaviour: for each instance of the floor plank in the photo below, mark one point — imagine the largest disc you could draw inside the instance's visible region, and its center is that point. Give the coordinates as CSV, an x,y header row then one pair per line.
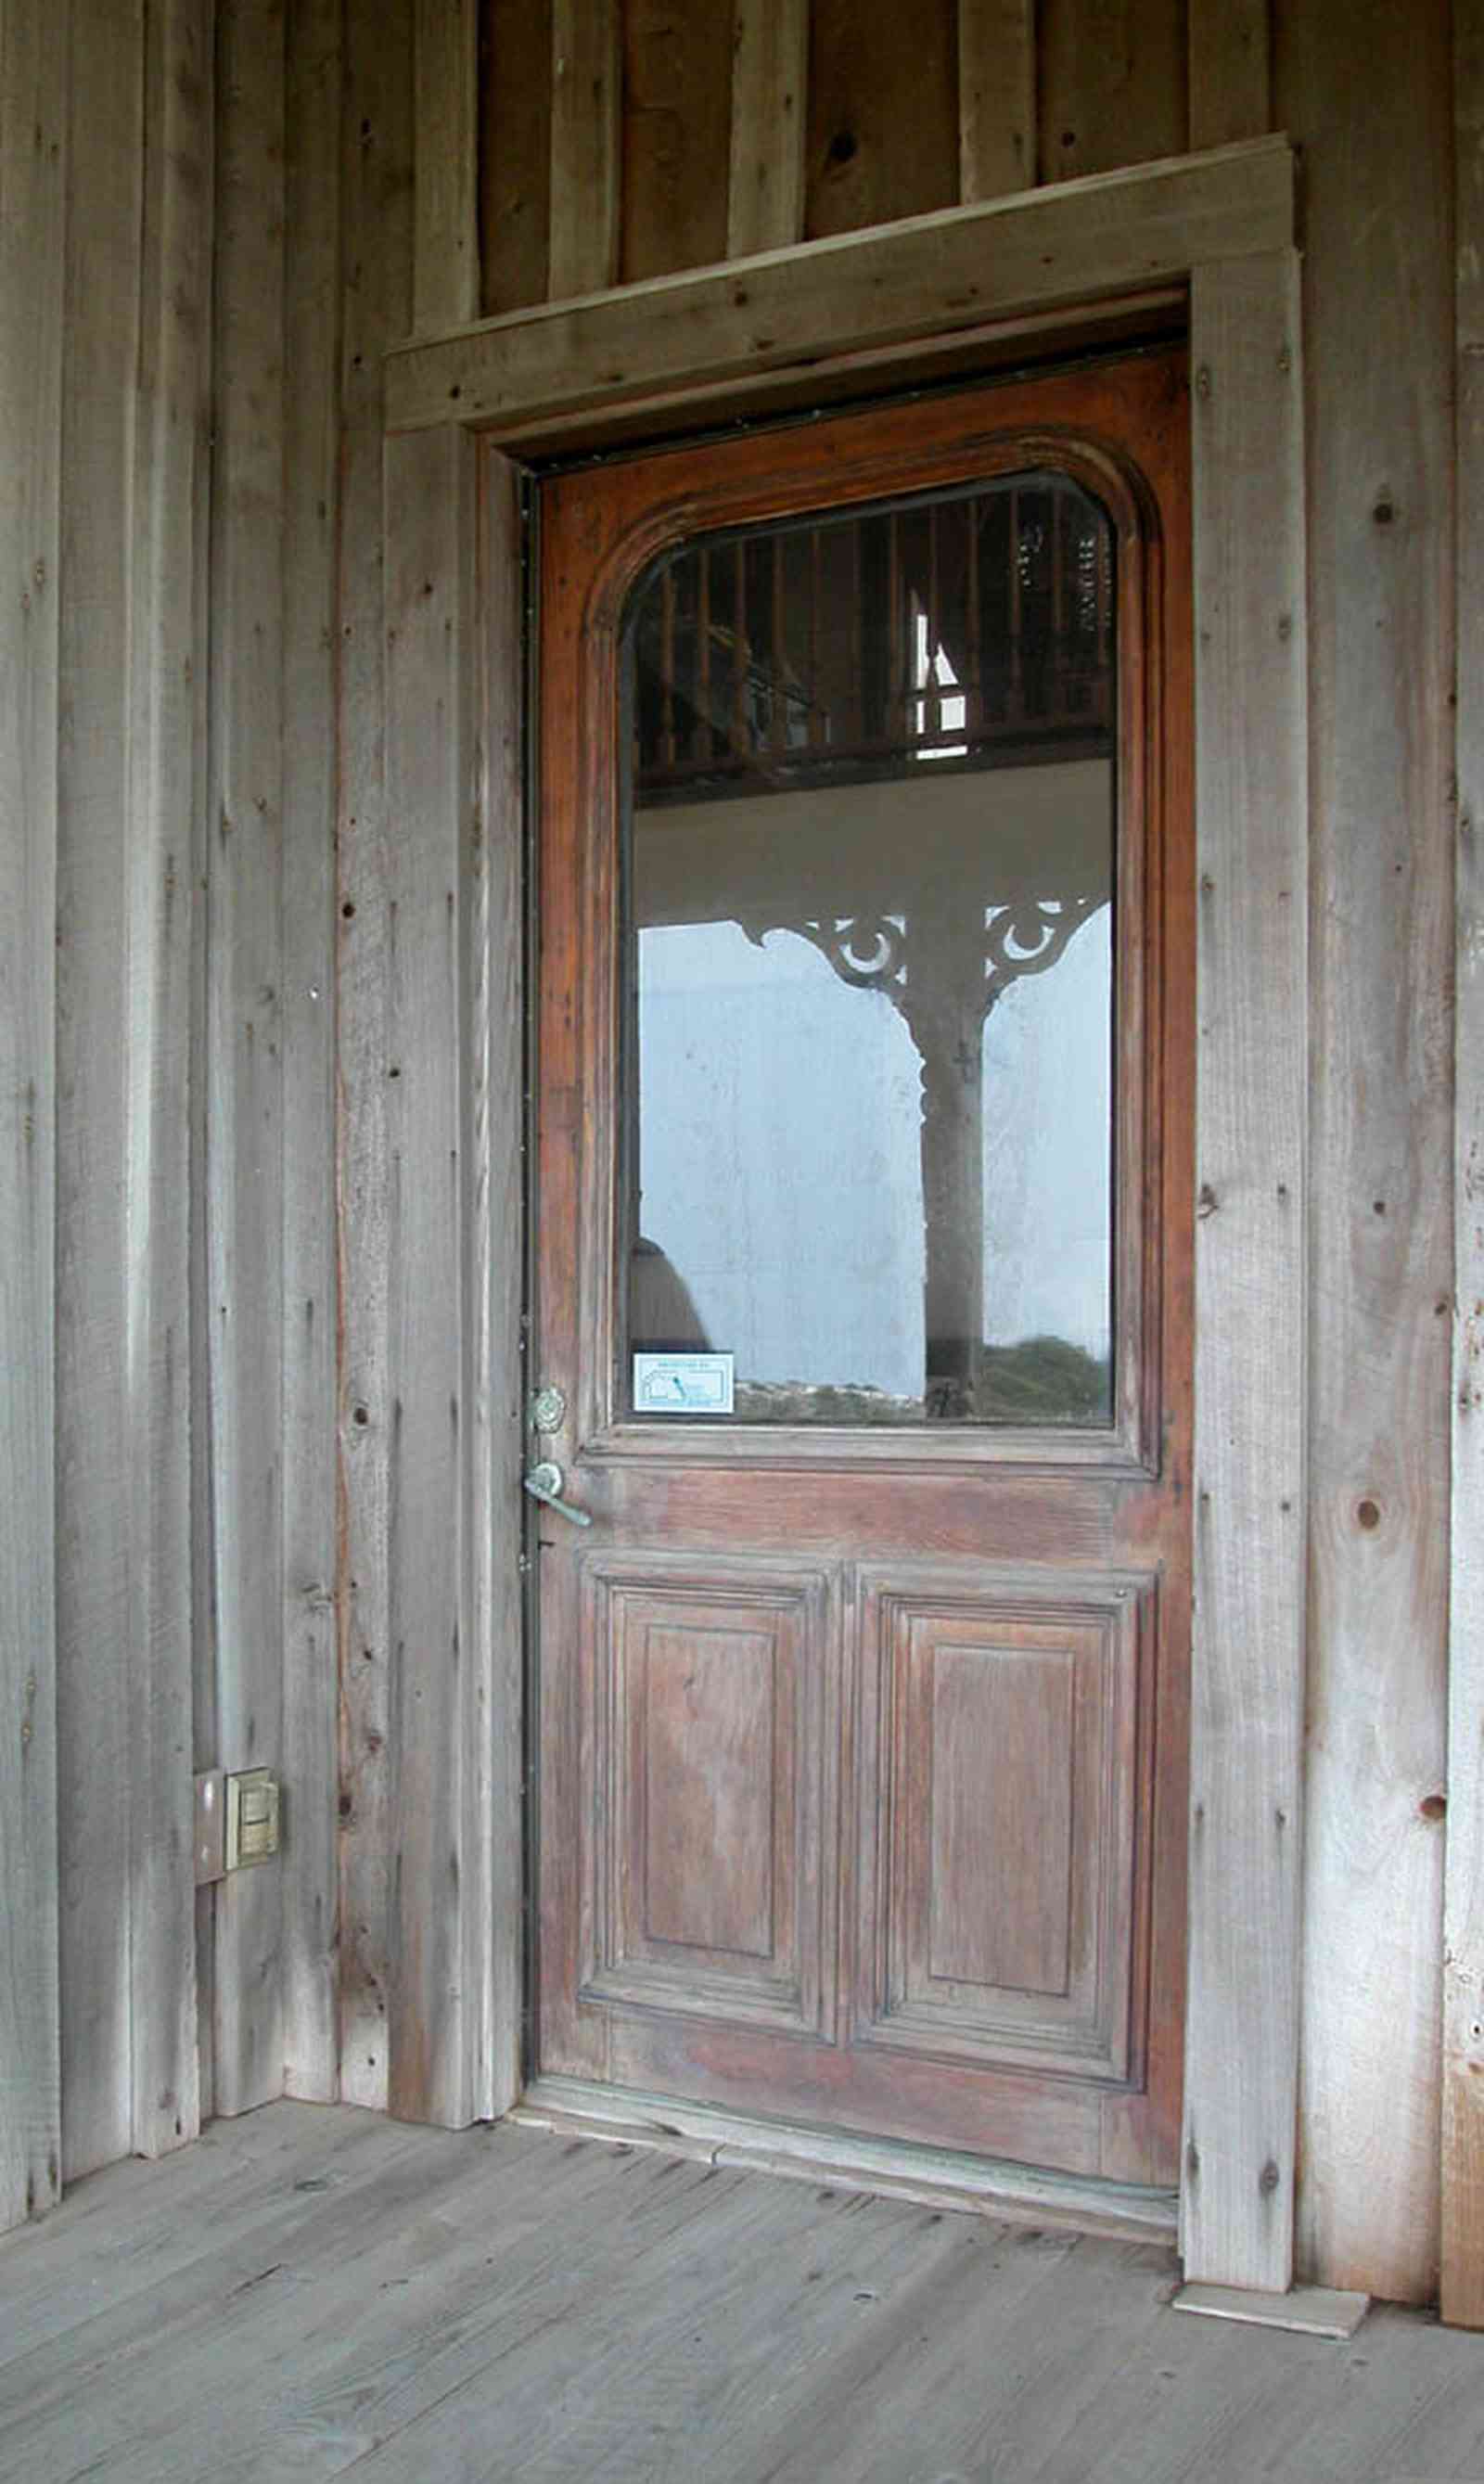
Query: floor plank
x,y
314,2292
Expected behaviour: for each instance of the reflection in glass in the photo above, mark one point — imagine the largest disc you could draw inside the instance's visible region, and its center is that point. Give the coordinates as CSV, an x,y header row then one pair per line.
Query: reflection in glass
x,y
870,809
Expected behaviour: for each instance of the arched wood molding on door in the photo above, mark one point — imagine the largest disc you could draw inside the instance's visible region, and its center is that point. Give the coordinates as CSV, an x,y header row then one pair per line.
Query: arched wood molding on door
x,y
1080,262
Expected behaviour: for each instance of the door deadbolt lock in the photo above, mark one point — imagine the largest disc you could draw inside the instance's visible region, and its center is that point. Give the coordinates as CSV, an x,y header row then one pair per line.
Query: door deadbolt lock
x,y
547,1409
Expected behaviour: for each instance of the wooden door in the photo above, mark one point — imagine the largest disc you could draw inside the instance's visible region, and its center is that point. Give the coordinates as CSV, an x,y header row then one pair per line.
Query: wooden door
x,y
864,1060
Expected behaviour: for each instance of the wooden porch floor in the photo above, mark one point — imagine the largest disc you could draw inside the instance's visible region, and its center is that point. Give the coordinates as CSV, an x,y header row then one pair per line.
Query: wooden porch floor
x,y
314,2292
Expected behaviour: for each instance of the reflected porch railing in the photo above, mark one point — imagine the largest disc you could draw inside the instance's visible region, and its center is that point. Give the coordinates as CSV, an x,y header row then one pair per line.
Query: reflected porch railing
x,y
978,629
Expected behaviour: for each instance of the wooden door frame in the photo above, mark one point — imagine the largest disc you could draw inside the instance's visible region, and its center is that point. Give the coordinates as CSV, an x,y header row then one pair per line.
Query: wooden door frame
x,y
1083,261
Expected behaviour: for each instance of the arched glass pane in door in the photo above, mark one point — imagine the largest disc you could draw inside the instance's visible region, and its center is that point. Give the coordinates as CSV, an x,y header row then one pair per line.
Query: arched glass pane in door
x,y
869,808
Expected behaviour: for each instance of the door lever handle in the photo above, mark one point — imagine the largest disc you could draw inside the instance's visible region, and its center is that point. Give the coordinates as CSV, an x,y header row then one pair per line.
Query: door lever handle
x,y
543,1483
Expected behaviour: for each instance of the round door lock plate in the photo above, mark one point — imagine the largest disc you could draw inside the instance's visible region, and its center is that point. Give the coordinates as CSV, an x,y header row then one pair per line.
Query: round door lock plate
x,y
548,1410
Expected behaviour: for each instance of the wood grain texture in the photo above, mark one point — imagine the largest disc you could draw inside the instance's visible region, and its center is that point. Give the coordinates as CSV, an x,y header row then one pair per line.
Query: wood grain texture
x,y
1371,90
244,1140
515,152
494,1822
1018,1707
437,1962
1231,71
376,308
358,2298
586,142
312,445
925,277
882,117
1462,2285
1251,1122
873,2071
1111,84
1004,1740
766,159
168,641
996,98
677,93
32,174
445,268
94,1553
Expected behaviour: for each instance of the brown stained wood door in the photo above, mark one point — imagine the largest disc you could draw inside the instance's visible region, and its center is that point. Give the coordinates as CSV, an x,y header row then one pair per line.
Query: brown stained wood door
x,y
863,1200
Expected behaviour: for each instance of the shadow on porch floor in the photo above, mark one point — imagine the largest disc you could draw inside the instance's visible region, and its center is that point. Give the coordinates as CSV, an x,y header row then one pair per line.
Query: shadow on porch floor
x,y
314,2292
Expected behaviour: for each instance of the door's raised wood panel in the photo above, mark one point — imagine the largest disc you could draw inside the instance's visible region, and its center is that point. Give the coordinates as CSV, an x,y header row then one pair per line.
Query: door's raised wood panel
x,y
1002,1739
704,1782
1001,1761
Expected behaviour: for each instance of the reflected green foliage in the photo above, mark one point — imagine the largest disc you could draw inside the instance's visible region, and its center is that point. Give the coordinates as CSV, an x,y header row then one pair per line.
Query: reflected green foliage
x,y
1041,1380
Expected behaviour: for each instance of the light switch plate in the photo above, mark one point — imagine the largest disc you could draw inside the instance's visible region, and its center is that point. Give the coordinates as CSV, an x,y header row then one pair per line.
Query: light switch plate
x,y
252,1818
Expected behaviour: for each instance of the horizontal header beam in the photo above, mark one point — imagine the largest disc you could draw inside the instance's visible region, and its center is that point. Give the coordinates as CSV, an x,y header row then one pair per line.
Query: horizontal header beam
x,y
927,278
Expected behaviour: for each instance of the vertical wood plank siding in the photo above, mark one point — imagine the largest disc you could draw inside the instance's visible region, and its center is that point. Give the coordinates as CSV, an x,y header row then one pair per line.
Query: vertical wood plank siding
x,y
228,1370
495,1377
676,100
33,175
996,98
95,1468
1231,71
586,145
445,274
1250,1116
766,159
166,641
515,152
430,552
377,248
1462,2293
310,1868
244,1138
1112,84
882,113
1366,91
133,633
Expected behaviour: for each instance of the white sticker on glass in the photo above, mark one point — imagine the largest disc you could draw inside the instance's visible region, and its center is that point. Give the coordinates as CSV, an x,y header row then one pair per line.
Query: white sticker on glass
x,y
682,1383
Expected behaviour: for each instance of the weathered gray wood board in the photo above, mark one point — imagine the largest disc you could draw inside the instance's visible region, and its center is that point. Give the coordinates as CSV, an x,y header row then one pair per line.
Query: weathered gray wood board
x,y
926,276
32,174
167,636
765,165
997,98
1110,84
376,307
1461,2290
586,144
1231,71
1247,1660
495,1370
245,1015
133,636
446,103
347,2296
455,789
310,1865
430,537
1366,93
94,1470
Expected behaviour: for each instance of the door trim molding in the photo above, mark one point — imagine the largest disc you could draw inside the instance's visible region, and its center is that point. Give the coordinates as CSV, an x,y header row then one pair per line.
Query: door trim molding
x,y
1069,263
923,282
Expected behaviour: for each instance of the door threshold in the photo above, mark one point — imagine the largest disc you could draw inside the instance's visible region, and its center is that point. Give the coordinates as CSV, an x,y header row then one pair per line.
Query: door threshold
x,y
933,2177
